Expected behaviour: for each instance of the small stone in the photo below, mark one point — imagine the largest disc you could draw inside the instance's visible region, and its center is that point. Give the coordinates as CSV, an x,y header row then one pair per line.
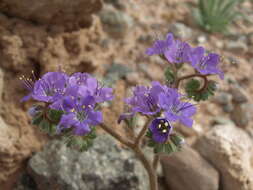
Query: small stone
x,y
222,121
115,72
237,95
219,44
103,166
188,169
181,31
250,38
116,23
228,108
201,39
133,78
152,71
241,114
238,46
229,149
223,98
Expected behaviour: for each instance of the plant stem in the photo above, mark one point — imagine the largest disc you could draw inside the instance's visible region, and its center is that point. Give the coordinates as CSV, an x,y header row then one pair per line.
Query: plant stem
x,y
139,153
204,77
142,133
149,168
156,161
117,136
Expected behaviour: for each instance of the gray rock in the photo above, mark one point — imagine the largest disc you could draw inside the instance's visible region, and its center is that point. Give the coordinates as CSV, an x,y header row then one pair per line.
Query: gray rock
x,y
238,46
115,72
115,22
181,30
188,170
133,78
229,149
103,167
223,98
237,95
242,114
116,3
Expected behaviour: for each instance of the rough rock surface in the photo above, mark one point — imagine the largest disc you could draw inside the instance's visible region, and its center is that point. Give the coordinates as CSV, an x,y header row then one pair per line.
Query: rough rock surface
x,y
71,14
188,169
229,149
15,147
103,167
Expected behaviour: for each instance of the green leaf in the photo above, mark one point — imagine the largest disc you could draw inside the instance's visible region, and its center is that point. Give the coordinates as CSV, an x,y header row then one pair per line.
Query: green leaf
x,y
37,119
55,115
173,144
169,75
193,90
216,15
81,143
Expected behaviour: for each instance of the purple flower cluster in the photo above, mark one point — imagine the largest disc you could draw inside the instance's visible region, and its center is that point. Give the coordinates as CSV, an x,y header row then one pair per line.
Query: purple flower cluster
x,y
76,95
160,101
176,51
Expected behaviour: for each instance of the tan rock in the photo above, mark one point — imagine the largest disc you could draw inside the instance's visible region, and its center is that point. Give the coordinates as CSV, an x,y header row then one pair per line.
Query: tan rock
x,y
229,149
188,170
55,12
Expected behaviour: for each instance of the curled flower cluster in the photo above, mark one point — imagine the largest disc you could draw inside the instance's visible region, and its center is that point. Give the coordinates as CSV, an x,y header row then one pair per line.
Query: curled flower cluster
x,y
165,104
176,51
77,96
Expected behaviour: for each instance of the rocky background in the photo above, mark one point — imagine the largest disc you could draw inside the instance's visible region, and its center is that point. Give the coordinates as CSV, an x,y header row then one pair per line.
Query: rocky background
x,y
108,39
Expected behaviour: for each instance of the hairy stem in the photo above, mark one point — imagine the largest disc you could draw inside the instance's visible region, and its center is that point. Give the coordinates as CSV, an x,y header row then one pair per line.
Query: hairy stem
x,y
139,153
142,133
204,77
149,168
117,136
156,161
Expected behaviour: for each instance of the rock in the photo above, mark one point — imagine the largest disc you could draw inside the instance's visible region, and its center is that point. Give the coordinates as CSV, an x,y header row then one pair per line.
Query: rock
x,y
103,167
238,95
181,31
53,12
250,38
25,182
1,82
152,71
133,78
237,46
188,169
201,39
222,121
241,114
14,149
223,98
116,23
116,3
229,149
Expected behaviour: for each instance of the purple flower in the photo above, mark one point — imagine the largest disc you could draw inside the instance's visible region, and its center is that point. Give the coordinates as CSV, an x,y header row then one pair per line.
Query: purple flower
x,y
50,87
205,64
160,46
175,109
145,99
79,115
160,129
178,53
88,85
